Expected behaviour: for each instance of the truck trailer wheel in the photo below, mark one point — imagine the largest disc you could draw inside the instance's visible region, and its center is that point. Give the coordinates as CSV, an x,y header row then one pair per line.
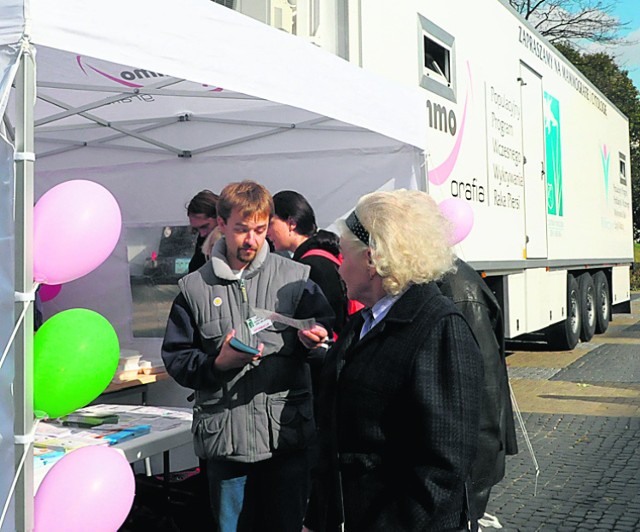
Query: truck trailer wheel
x,y
603,303
587,307
564,336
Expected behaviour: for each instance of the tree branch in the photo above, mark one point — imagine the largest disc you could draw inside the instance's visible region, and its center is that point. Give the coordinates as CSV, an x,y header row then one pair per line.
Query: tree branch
x,y
568,20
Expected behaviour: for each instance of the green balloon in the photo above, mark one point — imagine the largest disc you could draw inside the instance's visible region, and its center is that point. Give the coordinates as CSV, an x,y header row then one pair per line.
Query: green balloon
x,y
75,356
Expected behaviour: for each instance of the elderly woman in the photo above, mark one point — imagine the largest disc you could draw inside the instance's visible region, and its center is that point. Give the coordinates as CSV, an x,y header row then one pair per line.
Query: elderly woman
x,y
401,387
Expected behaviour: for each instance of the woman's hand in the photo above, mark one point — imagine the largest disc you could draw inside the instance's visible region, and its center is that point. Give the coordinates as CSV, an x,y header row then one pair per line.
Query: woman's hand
x,y
314,337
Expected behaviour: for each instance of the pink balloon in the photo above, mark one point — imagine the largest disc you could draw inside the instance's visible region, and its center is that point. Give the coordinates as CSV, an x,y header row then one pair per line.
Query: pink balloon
x,y
460,214
76,227
91,488
49,291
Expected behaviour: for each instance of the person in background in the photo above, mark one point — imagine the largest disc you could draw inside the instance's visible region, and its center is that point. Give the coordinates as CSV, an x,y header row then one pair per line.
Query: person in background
x,y
38,316
293,228
209,242
202,214
400,390
497,437
253,413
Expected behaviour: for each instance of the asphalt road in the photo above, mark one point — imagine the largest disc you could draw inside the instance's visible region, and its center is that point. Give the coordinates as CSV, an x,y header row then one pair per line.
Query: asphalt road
x,y
579,462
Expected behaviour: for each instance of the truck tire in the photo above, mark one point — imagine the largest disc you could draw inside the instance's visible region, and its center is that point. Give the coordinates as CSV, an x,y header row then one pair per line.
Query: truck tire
x,y
587,307
564,336
603,302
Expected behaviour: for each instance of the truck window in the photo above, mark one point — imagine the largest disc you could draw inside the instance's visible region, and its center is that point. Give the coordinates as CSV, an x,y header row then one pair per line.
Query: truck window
x,y
623,168
437,59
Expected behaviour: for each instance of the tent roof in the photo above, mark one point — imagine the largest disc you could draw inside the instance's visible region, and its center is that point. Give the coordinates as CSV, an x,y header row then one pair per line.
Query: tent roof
x,y
157,99
157,90
213,47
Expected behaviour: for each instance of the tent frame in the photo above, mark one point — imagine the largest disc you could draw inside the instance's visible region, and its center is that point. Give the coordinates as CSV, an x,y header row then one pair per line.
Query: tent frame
x,y
24,425
122,128
70,27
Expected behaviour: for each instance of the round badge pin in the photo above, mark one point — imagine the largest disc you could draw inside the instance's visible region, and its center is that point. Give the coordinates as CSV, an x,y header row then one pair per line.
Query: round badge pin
x,y
217,301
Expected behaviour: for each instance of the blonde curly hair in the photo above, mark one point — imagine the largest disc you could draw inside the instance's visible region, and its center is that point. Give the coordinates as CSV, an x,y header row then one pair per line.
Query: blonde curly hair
x,y
408,237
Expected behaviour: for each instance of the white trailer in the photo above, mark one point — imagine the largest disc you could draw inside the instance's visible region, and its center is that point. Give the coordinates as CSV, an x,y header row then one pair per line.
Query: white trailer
x,y
540,155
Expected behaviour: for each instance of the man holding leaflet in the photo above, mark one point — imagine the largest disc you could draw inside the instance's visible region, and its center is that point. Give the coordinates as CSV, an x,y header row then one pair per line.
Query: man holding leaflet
x,y
253,415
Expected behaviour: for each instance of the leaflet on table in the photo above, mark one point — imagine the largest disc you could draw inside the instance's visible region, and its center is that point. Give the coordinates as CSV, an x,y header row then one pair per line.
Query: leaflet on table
x,y
43,457
163,412
157,423
87,420
51,435
66,443
153,411
120,435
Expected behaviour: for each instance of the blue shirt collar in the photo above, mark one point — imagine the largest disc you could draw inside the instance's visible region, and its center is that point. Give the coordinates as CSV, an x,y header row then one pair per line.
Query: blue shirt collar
x,y
375,314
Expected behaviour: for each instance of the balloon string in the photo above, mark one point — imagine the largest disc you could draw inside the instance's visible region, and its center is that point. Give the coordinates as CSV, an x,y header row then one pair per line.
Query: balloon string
x,y
527,440
12,489
15,331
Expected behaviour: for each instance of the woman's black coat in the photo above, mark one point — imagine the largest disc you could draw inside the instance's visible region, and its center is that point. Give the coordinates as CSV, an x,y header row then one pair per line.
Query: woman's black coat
x,y
399,420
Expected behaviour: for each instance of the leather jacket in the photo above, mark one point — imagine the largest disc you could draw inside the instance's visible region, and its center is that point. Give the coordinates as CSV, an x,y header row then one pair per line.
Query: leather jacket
x,y
497,437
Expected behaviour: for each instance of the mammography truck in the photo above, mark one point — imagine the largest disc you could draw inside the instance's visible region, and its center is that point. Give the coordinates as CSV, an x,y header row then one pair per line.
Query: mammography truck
x,y
537,154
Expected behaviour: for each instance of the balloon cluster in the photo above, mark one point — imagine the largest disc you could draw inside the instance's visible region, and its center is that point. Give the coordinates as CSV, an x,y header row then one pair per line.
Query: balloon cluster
x,y
77,225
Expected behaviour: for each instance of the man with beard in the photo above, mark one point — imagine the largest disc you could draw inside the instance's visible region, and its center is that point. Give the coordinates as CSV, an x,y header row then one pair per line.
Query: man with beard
x,y
253,413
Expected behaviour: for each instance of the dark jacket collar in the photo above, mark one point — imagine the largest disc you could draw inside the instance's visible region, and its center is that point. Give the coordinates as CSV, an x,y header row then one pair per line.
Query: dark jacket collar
x,y
404,310
412,301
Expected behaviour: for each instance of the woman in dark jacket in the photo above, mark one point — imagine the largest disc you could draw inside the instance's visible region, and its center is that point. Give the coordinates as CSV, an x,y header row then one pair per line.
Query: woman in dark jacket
x,y
400,390
293,228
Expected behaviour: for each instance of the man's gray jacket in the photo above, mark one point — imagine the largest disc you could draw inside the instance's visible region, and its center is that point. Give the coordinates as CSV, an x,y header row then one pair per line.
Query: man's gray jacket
x,y
245,414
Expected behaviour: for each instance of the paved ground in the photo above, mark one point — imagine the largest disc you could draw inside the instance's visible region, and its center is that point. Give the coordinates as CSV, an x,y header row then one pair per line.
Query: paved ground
x,y
581,412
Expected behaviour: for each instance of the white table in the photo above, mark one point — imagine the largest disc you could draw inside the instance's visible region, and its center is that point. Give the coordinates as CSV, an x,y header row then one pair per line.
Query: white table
x,y
170,428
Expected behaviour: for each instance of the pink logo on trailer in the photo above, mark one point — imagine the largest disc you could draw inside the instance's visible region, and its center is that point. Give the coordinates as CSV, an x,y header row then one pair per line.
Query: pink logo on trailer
x,y
442,172
455,209
133,78
605,155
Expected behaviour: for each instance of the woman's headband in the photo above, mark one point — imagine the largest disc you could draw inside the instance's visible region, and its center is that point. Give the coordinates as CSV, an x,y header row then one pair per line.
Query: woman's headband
x,y
357,228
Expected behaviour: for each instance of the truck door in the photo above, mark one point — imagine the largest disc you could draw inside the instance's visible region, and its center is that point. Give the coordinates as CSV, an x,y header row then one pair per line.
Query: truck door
x,y
533,150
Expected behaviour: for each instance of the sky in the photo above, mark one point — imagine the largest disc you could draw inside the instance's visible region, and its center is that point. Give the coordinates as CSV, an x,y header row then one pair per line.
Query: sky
x,y
628,56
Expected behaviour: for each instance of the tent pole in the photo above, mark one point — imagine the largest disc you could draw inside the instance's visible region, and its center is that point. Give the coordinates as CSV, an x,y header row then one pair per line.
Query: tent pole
x,y
423,178
23,379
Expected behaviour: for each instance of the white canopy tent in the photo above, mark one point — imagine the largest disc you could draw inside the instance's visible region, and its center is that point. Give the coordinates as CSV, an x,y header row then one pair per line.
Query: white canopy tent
x,y
157,100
